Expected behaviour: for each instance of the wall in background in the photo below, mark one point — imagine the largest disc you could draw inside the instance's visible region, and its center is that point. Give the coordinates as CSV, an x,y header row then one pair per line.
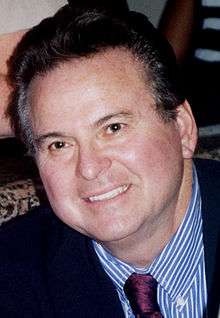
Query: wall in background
x,y
12,12
152,8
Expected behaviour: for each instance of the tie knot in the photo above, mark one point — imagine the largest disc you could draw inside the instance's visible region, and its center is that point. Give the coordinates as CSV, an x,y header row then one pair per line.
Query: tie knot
x,y
141,291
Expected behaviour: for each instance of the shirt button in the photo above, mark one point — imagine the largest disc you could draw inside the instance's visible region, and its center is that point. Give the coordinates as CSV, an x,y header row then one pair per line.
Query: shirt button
x,y
180,301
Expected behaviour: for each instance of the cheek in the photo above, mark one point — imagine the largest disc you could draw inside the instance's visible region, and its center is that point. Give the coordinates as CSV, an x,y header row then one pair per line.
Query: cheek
x,y
162,166
56,178
146,156
141,152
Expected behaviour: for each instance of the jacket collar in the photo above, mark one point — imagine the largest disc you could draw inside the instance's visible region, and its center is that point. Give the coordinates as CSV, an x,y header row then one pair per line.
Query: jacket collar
x,y
73,275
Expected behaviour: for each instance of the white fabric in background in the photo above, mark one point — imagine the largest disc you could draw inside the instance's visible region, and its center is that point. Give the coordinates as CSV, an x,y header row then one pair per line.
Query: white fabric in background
x,y
21,14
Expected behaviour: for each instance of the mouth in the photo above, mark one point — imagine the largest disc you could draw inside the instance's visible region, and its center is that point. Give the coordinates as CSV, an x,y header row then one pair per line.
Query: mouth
x,y
108,195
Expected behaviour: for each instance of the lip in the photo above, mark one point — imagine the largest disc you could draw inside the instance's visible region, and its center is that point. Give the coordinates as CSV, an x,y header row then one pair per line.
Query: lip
x,y
104,196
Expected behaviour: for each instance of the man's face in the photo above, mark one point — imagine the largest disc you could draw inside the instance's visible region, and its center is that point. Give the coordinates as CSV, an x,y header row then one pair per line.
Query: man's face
x,y
111,167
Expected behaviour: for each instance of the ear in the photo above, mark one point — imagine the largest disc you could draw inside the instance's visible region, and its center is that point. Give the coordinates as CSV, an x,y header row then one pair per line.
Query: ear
x,y
187,129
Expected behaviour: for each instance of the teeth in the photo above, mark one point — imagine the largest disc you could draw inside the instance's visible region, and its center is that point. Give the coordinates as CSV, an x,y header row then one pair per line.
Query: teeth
x,y
109,195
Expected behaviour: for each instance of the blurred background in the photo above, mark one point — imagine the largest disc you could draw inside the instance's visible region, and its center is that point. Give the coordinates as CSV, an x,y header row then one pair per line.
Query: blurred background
x,y
17,14
151,8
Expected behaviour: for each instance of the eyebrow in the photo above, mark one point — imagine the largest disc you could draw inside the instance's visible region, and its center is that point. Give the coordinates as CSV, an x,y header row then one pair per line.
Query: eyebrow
x,y
106,118
40,139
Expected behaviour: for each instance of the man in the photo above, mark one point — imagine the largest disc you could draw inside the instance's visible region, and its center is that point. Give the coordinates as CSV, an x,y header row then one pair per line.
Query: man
x,y
98,101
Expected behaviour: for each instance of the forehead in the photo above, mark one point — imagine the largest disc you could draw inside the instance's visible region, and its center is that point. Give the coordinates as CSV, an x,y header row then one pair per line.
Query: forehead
x,y
105,81
115,66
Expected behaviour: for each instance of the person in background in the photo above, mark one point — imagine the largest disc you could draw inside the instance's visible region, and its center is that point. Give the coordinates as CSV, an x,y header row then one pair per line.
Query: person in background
x,y
193,29
132,229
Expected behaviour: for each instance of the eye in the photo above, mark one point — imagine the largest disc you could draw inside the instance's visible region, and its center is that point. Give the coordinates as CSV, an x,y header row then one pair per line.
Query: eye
x,y
114,128
58,145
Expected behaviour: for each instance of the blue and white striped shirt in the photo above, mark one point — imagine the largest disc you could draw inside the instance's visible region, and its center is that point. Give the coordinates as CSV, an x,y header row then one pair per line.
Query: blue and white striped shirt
x,y
179,269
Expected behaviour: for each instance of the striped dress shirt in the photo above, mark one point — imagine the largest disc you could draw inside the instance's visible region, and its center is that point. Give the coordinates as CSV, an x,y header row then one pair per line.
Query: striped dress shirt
x,y
179,269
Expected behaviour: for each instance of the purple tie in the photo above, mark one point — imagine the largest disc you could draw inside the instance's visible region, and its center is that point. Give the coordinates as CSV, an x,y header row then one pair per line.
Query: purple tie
x,y
141,291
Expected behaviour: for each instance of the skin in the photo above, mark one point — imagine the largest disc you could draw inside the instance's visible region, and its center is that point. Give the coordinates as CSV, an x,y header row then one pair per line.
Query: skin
x,y
5,130
96,130
7,44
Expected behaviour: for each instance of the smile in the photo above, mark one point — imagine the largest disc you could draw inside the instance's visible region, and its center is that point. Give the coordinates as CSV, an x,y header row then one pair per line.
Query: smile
x,y
108,195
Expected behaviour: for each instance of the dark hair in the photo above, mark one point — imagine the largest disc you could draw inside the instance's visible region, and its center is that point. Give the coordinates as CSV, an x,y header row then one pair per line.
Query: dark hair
x,y
112,6
79,32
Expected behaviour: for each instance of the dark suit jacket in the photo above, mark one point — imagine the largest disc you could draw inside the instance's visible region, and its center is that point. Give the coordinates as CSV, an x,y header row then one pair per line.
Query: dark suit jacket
x,y
49,270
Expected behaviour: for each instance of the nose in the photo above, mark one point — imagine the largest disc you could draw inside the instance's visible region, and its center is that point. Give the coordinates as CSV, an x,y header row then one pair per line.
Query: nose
x,y
92,163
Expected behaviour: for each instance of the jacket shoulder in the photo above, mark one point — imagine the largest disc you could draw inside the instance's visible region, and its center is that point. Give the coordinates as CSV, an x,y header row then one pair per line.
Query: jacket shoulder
x,y
24,233
209,180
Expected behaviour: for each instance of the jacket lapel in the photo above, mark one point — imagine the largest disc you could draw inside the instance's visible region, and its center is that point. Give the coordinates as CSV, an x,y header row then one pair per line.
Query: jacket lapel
x,y
77,283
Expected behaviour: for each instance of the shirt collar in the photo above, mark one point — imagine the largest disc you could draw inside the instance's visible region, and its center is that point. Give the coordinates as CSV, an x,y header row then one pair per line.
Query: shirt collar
x,y
176,265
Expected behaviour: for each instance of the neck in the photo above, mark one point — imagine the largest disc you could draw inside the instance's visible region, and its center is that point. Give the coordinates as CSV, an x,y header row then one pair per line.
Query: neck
x,y
142,247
